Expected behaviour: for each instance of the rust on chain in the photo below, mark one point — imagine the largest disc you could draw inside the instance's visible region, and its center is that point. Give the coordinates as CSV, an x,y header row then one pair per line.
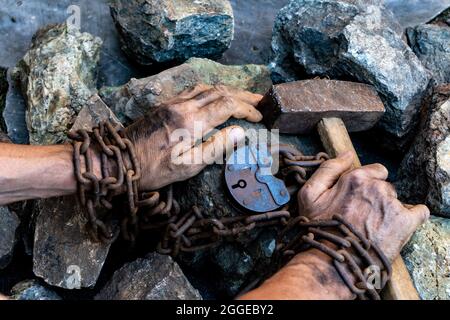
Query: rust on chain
x,y
192,231
352,253
96,194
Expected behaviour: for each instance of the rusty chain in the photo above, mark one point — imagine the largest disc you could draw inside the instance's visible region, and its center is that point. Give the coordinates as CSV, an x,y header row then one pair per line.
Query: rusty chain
x,y
347,247
117,154
192,231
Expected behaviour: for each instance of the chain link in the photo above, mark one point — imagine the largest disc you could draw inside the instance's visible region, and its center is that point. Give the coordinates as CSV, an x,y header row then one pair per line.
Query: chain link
x,y
96,194
193,231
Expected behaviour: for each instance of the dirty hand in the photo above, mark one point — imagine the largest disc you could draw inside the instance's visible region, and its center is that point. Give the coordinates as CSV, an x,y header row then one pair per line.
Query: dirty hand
x,y
165,159
364,198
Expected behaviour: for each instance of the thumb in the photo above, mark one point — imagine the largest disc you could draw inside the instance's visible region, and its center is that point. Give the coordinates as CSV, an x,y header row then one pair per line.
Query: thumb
x,y
326,176
419,214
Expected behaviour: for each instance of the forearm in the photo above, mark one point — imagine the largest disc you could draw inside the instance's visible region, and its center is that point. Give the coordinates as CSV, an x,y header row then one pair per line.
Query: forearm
x,y
30,172
308,276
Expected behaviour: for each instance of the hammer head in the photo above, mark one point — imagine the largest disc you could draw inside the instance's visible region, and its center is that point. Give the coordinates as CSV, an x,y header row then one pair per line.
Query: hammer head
x,y
297,107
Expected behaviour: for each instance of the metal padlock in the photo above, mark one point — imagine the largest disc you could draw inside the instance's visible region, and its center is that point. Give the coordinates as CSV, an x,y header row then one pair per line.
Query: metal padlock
x,y
250,181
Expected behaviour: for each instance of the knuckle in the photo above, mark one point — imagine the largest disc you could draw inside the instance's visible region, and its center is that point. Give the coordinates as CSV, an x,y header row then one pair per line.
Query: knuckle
x,y
305,193
227,102
330,164
356,177
381,168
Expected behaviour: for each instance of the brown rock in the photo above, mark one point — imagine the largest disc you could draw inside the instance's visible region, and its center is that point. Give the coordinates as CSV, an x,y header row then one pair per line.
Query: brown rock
x,y
297,107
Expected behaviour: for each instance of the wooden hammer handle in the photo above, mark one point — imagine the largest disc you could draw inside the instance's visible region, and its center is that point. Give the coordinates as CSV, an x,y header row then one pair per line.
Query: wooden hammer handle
x,y
336,140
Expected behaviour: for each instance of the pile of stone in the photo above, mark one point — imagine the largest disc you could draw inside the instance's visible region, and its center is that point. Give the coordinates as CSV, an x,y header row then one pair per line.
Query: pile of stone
x,y
339,39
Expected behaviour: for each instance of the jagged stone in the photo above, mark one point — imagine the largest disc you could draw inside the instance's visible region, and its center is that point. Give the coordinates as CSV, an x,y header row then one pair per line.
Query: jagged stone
x,y
431,44
351,40
424,175
155,277
3,91
94,112
9,222
64,255
442,19
166,31
33,290
57,77
427,258
134,99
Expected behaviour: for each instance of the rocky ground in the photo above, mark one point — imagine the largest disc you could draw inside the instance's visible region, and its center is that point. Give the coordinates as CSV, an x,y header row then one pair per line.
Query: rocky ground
x,y
60,78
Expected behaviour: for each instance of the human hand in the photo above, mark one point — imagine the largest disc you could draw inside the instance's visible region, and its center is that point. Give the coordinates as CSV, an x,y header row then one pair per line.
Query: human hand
x,y
364,198
203,107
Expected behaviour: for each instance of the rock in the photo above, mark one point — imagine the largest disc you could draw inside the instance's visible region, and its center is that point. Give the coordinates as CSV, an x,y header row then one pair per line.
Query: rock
x,y
64,255
132,100
163,31
431,44
424,175
9,222
94,112
15,111
3,91
33,290
443,18
351,40
155,277
410,13
58,77
427,258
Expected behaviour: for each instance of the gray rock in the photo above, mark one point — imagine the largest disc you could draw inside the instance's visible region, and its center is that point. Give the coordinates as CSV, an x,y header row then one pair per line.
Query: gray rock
x,y
410,13
64,254
58,77
427,257
351,40
155,277
33,290
165,31
424,175
94,112
15,111
443,18
134,99
9,222
3,91
431,44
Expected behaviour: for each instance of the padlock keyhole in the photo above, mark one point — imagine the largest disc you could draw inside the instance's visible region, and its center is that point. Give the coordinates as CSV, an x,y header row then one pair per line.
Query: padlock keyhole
x,y
241,184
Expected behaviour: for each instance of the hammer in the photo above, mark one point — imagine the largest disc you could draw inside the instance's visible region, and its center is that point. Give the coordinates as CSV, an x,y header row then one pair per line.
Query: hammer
x,y
333,107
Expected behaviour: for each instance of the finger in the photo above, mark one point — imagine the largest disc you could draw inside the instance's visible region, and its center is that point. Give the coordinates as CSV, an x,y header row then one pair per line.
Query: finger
x,y
420,214
213,149
374,171
223,109
326,176
189,94
205,98
246,96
